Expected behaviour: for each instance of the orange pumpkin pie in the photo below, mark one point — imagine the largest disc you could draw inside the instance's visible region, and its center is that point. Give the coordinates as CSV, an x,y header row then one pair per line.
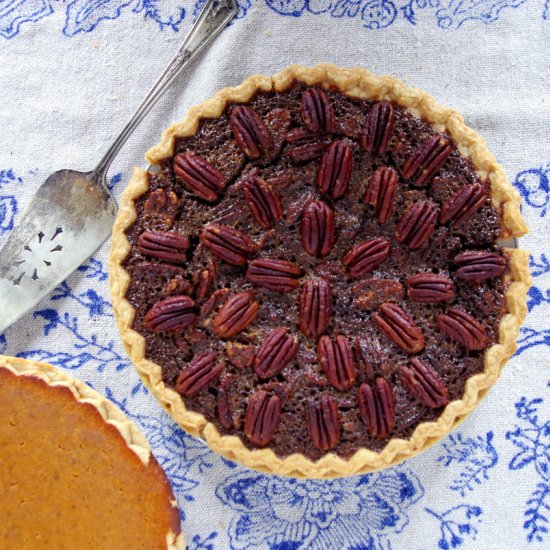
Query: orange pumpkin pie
x,y
74,471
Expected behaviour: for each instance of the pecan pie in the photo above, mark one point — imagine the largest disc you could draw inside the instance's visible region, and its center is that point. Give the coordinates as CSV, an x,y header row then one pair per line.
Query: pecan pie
x,y
310,279
75,472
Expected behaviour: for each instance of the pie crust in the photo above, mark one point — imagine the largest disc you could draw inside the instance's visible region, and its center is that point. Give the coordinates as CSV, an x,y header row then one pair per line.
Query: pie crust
x,y
86,420
360,83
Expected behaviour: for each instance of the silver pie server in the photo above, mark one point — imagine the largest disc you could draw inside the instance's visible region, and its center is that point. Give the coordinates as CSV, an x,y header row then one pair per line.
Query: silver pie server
x,y
73,212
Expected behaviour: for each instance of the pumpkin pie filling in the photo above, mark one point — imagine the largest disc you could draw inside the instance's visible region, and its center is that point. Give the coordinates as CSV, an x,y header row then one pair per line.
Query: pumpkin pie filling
x,y
68,478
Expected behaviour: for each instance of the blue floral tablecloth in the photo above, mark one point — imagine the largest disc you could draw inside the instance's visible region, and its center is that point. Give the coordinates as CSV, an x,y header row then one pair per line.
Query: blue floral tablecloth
x,y
71,73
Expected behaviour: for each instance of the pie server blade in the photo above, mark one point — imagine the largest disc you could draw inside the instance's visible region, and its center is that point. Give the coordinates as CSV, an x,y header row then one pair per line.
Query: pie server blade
x,y
69,217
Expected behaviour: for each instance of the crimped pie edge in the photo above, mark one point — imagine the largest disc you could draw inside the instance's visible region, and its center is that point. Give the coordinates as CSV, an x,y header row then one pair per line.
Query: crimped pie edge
x,y
355,82
110,413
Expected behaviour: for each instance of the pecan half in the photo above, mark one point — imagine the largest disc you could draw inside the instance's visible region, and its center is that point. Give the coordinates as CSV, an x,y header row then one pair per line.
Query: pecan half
x,y
478,266
315,307
277,275
366,256
317,111
249,131
229,244
463,328
240,355
163,245
365,363
178,286
275,352
205,282
226,414
416,224
431,288
398,327
372,293
263,414
334,172
263,202
427,159
317,230
463,204
235,315
199,375
324,423
199,176
163,203
336,360
424,384
380,192
378,127
308,149
172,313
377,407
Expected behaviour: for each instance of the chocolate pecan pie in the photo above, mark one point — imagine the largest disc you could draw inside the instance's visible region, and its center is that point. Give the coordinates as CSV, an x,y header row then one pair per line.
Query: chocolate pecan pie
x,y
310,279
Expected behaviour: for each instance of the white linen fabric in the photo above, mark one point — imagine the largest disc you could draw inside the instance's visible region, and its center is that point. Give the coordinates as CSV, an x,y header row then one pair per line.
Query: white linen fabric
x,y
71,74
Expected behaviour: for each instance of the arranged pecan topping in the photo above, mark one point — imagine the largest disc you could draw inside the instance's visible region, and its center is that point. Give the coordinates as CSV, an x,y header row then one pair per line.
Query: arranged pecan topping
x,y
377,407
336,360
249,130
199,176
334,172
263,414
463,204
378,128
478,266
372,293
276,351
172,313
431,288
315,307
367,270
317,111
366,256
463,328
424,384
427,159
229,244
163,245
263,202
199,375
398,327
235,315
317,230
278,275
380,192
324,423
416,224
223,404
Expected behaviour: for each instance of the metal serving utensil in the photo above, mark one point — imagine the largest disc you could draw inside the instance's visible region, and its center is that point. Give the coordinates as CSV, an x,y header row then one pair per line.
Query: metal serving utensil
x,y
73,212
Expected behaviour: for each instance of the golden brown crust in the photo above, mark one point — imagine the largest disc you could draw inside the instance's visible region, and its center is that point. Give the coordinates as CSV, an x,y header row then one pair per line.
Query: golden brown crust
x,y
357,83
112,416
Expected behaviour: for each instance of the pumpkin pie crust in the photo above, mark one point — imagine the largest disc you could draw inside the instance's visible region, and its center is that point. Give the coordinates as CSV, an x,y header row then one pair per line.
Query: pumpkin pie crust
x,y
74,471
387,94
